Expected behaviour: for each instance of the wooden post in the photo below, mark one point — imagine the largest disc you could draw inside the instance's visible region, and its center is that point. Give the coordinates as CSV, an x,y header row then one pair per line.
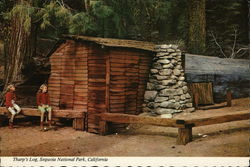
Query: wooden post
x,y
103,124
229,98
103,127
184,135
78,124
196,100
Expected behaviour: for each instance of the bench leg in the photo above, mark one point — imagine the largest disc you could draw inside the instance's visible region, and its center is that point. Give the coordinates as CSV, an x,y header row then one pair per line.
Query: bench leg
x,y
229,98
184,135
196,100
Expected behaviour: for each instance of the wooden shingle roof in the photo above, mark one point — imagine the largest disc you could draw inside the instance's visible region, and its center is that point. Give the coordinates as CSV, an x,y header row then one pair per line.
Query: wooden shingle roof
x,y
111,42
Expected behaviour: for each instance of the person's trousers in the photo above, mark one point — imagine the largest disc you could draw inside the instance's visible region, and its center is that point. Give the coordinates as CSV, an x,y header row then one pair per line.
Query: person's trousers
x,y
43,109
14,111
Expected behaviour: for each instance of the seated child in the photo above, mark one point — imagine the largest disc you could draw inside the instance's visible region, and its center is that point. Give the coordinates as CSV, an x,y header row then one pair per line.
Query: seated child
x,y
10,103
43,103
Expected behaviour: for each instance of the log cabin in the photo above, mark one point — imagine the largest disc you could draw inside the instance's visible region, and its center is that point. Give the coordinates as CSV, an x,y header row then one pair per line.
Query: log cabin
x,y
99,75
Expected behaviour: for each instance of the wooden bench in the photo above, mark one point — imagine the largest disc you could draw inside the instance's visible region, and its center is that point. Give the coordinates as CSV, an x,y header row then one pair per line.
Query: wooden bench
x,y
77,115
184,126
185,134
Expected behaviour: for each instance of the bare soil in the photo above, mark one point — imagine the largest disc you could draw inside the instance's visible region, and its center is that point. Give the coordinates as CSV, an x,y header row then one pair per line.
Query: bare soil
x,y
224,140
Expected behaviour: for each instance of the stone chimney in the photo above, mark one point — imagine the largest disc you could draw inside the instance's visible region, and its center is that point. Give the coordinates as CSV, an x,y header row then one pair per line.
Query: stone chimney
x,y
167,92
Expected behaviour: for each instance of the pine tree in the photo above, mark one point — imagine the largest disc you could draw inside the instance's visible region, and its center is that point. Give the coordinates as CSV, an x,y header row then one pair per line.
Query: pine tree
x,y
196,26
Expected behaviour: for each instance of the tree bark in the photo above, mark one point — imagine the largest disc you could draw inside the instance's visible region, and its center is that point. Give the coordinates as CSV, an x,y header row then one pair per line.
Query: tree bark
x,y
248,29
19,50
87,5
197,23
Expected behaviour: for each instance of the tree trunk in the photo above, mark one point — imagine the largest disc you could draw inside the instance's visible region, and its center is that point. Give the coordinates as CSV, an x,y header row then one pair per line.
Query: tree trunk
x,y
248,29
197,23
19,50
87,5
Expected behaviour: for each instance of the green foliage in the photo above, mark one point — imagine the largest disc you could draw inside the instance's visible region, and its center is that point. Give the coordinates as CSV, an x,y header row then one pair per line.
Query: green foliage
x,y
81,23
161,21
23,11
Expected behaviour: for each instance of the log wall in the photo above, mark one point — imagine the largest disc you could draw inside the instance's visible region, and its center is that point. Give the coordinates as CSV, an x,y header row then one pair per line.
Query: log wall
x,y
129,71
98,79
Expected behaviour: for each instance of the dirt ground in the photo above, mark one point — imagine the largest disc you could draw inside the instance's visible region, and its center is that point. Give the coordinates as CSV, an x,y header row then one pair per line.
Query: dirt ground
x,y
224,140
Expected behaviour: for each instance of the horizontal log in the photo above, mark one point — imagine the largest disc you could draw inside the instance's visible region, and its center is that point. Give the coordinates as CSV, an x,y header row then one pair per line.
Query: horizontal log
x,y
126,118
55,113
237,116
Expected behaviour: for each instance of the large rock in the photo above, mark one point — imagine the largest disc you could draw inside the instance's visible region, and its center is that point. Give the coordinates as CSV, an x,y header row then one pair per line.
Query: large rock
x,y
154,71
167,104
168,66
188,96
185,89
183,97
173,61
150,95
150,86
150,105
178,67
156,105
189,105
181,78
157,66
160,87
165,72
161,77
177,72
161,99
146,109
161,54
170,50
163,61
167,92
168,82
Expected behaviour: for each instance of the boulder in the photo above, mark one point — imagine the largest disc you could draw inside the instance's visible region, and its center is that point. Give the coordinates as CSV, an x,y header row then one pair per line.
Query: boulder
x,y
146,109
167,92
157,66
176,72
154,71
189,105
161,99
185,89
183,97
161,54
150,95
161,77
165,72
181,78
163,61
168,82
168,66
188,96
150,86
160,87
167,104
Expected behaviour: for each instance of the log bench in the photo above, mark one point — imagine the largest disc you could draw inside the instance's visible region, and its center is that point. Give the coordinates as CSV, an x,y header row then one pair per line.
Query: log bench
x,y
78,116
184,125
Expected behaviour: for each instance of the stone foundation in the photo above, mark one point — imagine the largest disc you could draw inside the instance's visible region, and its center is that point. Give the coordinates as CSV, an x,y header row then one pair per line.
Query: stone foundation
x,y
167,91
